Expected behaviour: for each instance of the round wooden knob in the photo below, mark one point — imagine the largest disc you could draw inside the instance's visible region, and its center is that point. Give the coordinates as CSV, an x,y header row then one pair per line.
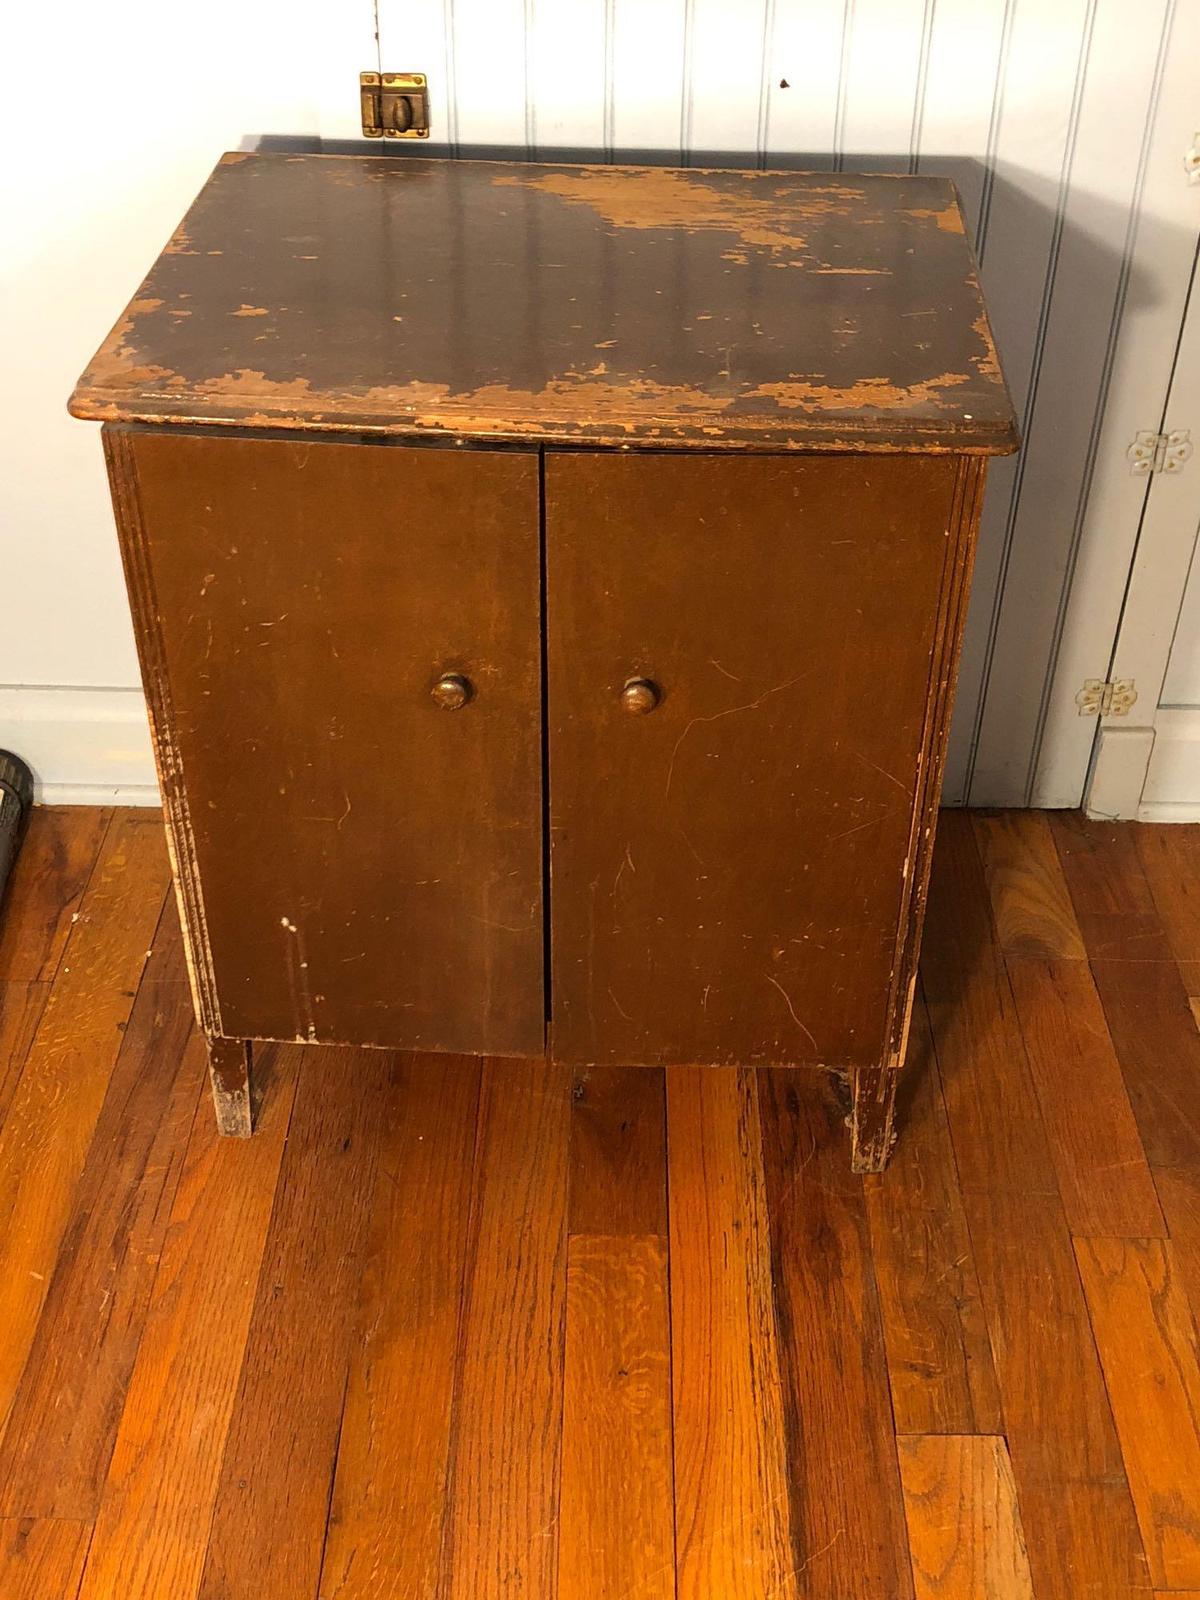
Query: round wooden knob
x,y
640,696
451,691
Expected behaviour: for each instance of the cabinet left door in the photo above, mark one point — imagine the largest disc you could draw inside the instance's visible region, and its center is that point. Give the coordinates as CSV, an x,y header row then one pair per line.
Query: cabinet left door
x,y
358,859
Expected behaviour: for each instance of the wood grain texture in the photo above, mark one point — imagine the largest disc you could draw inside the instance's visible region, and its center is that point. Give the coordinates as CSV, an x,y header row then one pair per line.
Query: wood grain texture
x,y
1179,1193
56,1447
1081,1538
1080,1527
1056,1411
1113,902
21,1007
47,883
618,1151
1031,905
41,1558
389,1496
617,1534
1147,1340
964,1525
681,931
1000,1141
1170,859
1157,1042
58,1097
502,1519
1144,997
479,1349
732,1520
671,270
277,1470
844,1497
938,1354
1103,1177
160,1492
368,871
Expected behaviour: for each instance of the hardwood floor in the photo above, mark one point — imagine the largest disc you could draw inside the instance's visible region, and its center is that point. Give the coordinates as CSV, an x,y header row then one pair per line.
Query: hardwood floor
x,y
454,1330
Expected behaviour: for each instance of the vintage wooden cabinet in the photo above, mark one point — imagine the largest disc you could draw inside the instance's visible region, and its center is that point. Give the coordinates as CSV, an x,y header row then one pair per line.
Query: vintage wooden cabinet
x,y
548,584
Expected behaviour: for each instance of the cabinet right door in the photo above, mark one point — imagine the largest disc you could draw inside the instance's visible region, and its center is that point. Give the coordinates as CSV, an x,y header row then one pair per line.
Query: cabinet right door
x,y
744,661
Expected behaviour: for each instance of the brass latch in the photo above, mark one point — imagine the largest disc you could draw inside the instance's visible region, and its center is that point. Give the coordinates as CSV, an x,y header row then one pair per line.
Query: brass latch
x,y
395,105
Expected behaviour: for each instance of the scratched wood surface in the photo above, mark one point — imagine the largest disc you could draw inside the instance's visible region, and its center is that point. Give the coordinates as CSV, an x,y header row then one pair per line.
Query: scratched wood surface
x,y
370,865
726,873
610,304
611,1334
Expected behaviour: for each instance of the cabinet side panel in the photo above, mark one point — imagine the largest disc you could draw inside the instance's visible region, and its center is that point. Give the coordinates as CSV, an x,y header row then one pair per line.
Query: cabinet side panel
x,y
131,534
729,872
368,862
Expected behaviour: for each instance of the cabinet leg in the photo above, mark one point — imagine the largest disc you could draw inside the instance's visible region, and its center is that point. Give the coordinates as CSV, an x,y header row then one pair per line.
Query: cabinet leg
x,y
229,1071
872,1117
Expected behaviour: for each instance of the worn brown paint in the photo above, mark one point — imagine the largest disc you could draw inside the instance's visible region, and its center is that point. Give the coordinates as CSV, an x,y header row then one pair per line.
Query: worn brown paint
x,y
619,305
777,393
366,865
729,873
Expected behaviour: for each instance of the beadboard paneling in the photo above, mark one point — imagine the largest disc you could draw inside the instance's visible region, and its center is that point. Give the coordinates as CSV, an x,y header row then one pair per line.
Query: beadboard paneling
x,y
1047,115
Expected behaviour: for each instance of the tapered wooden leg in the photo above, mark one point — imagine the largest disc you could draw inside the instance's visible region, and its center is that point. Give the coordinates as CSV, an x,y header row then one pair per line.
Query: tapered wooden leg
x,y
229,1070
872,1117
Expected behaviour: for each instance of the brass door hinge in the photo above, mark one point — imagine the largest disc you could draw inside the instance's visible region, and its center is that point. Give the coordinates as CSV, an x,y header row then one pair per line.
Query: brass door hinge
x,y
395,105
1159,452
1098,699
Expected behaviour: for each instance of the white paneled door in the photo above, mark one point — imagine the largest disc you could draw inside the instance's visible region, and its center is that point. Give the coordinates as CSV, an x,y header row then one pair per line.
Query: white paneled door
x,y
1065,124
1148,761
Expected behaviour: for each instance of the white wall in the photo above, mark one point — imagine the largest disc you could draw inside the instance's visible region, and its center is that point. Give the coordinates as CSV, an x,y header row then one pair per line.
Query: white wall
x,y
103,153
1063,121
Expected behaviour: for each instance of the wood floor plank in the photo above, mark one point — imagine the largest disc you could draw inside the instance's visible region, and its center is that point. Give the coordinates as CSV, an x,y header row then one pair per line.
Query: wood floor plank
x,y
938,1353
161,1487
1031,905
21,1007
732,1533
1154,1033
51,873
1080,1528
58,1097
618,1151
1103,871
1103,1175
617,1538
964,1525
1056,1410
999,1139
1170,858
1147,1340
1144,997
389,1495
1082,1539
1179,1193
60,1434
845,1500
504,1481
41,1558
268,1529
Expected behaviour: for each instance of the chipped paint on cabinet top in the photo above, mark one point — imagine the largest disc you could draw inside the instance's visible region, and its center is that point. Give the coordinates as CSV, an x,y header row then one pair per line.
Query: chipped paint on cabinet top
x,y
614,305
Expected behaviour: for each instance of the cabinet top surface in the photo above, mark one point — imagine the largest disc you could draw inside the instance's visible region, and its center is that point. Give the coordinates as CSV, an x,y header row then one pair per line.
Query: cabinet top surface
x,y
638,306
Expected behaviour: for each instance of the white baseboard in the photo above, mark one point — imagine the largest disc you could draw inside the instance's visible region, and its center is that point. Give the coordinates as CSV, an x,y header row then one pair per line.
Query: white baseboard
x,y
84,746
1118,775
1172,790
